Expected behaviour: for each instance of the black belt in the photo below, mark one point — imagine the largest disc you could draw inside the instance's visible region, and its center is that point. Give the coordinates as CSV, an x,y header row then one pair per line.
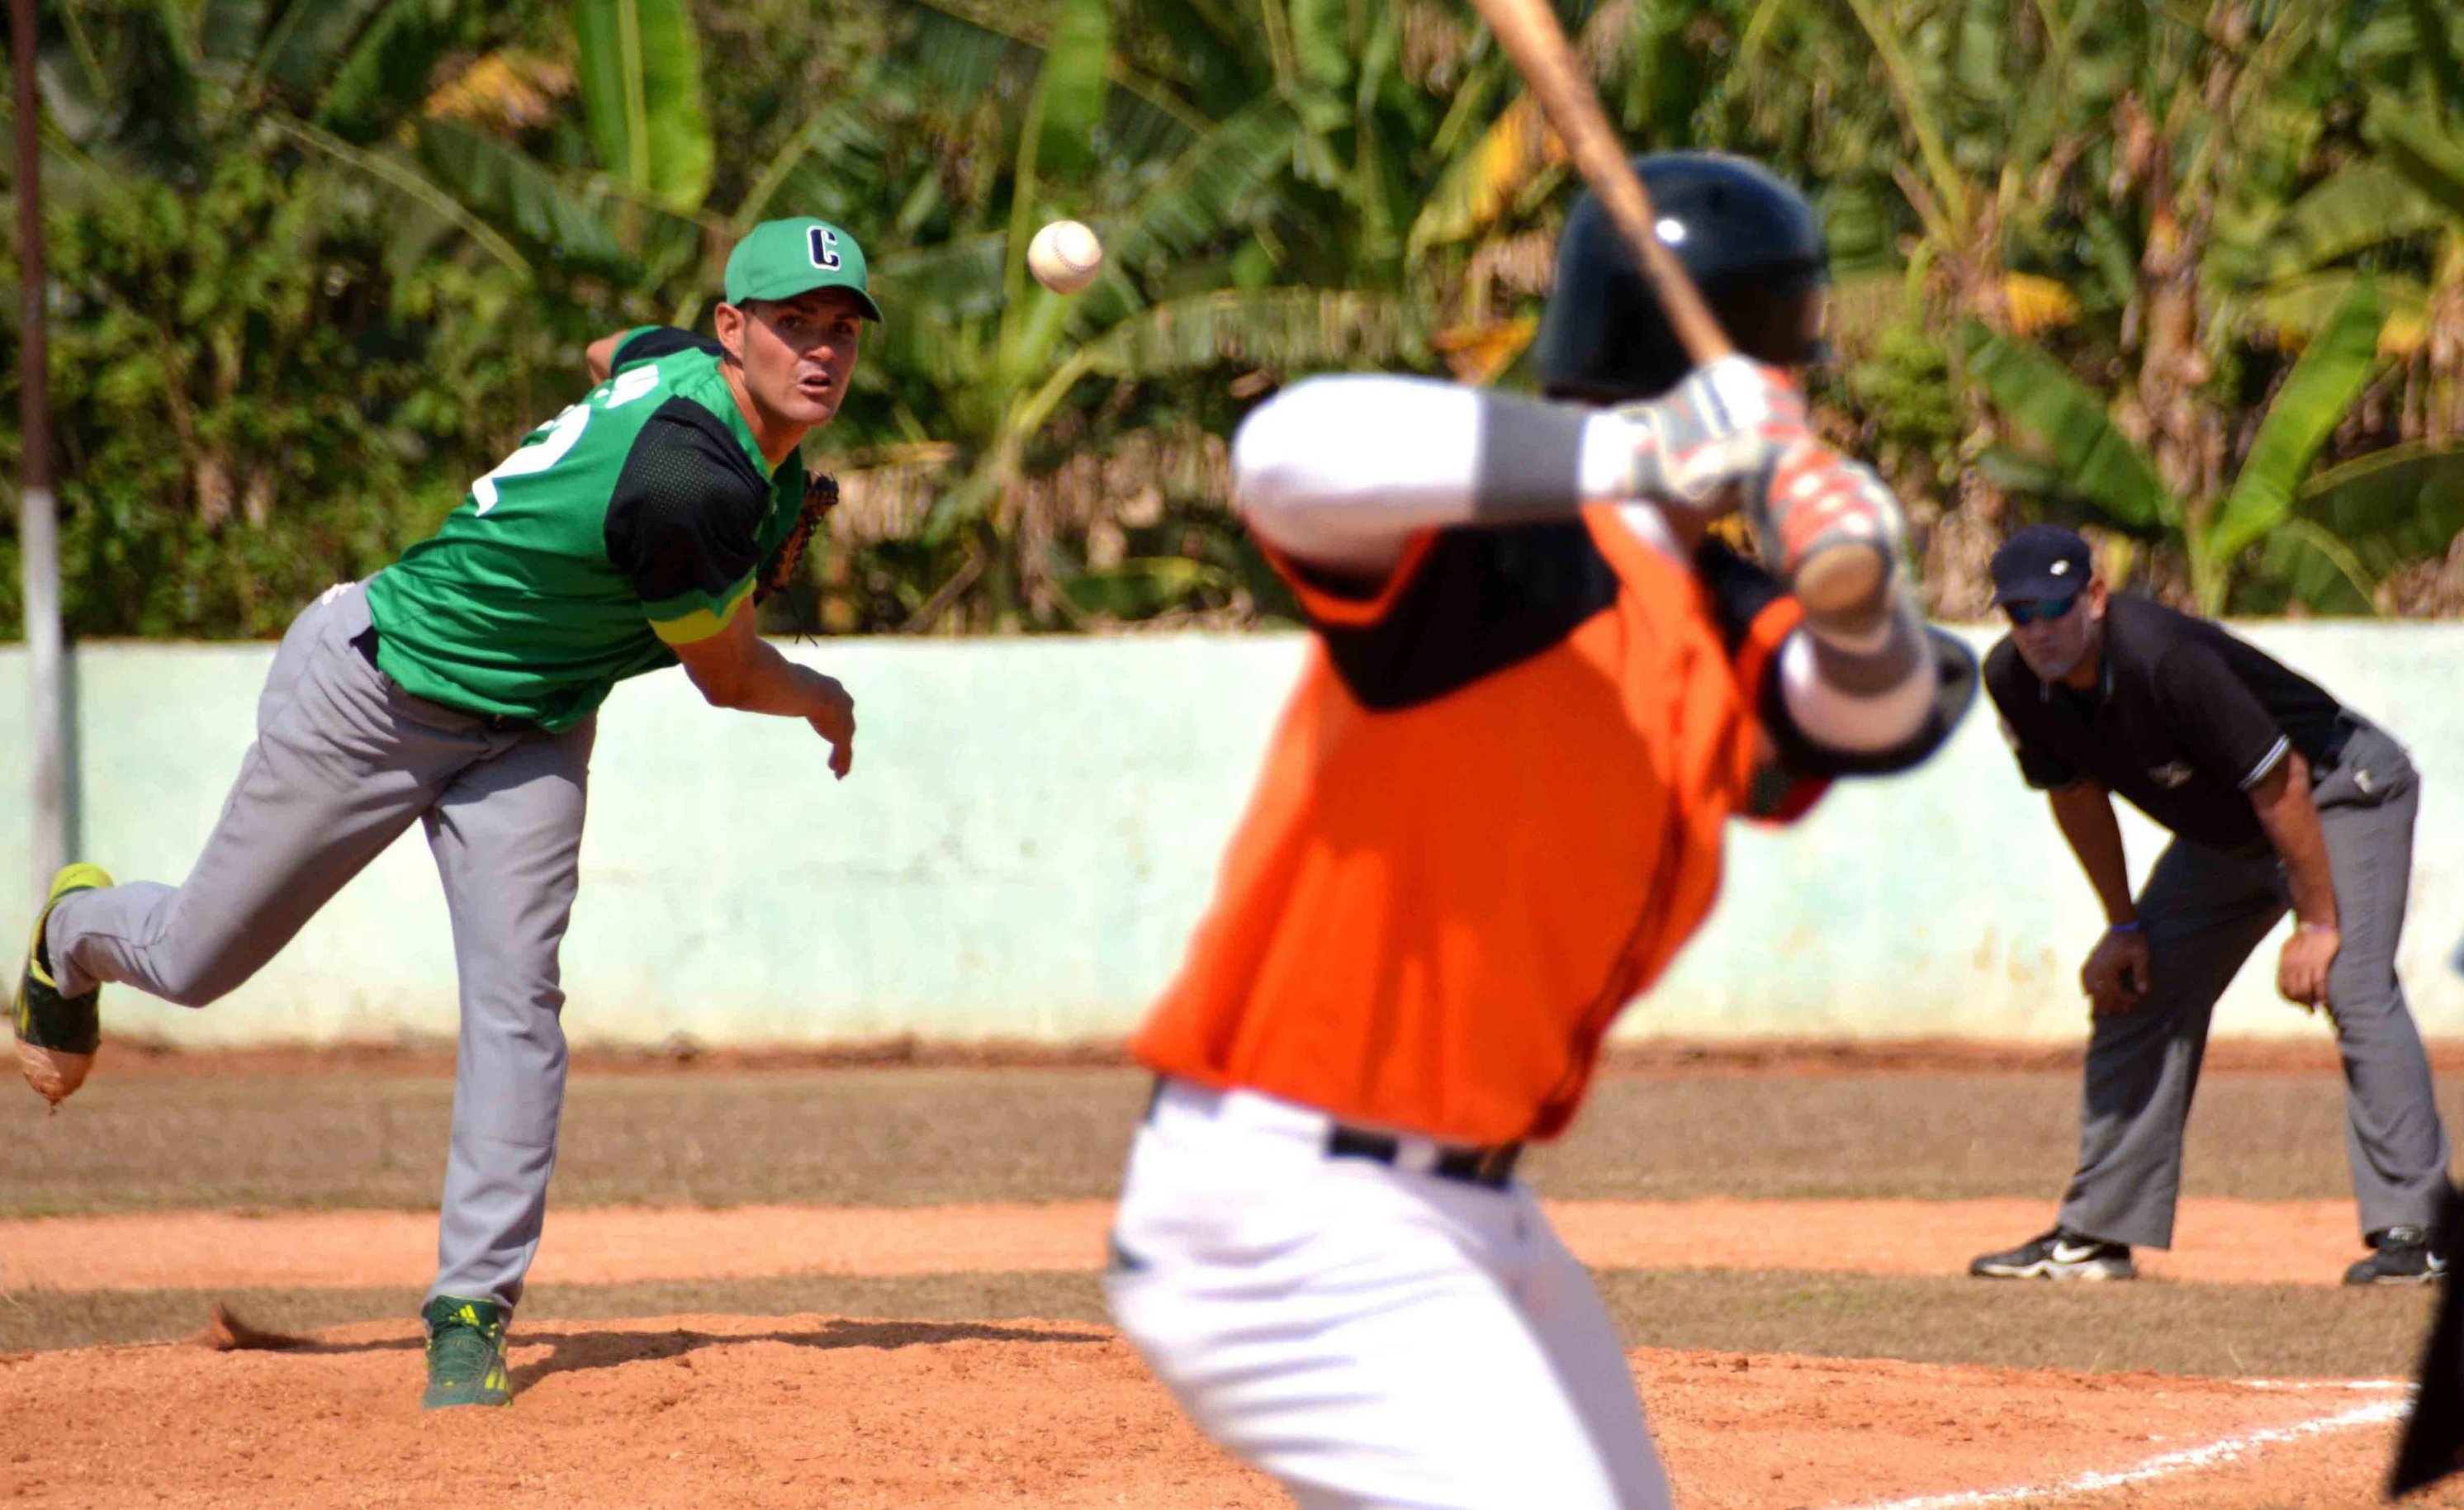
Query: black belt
x,y
1492,1167
366,643
2331,750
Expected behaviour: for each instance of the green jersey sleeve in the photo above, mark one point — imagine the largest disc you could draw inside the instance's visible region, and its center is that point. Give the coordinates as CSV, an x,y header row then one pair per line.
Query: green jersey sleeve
x,y
685,523
649,342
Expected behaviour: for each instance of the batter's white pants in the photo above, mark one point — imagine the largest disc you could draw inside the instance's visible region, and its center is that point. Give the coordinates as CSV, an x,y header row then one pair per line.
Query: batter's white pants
x,y
1370,1335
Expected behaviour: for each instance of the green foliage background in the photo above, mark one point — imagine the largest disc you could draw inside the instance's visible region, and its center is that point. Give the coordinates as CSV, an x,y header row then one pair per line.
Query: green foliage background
x,y
2193,276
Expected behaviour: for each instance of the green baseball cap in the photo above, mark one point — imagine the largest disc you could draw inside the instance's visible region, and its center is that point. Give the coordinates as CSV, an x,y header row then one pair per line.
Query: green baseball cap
x,y
779,260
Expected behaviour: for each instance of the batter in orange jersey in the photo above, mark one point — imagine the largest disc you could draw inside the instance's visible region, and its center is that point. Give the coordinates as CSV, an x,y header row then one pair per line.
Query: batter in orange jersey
x,y
1490,816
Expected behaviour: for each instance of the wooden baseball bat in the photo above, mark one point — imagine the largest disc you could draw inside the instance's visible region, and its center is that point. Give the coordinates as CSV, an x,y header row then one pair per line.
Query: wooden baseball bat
x,y
1530,33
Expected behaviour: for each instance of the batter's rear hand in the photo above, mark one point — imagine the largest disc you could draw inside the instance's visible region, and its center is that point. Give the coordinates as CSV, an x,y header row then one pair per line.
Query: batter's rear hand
x,y
833,718
2117,972
1829,528
1699,447
2301,970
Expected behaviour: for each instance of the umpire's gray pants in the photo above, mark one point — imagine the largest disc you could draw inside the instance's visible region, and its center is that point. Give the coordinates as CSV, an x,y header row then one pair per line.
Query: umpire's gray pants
x,y
344,760
2204,910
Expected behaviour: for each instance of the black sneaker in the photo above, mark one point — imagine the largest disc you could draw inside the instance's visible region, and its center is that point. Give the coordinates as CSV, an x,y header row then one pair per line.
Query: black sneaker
x,y
2403,1257
2059,1255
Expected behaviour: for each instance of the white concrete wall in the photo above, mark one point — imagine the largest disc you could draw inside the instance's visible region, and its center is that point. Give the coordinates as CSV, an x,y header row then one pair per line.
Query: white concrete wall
x,y
1033,825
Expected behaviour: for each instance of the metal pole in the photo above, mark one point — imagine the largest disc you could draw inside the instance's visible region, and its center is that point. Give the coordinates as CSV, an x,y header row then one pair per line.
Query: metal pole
x,y
37,522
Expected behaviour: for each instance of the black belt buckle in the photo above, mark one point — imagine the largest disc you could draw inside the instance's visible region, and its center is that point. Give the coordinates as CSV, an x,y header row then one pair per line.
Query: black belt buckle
x,y
1492,1167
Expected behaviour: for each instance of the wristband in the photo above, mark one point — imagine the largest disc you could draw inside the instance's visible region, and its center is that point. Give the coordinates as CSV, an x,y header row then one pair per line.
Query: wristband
x,y
2315,928
2134,926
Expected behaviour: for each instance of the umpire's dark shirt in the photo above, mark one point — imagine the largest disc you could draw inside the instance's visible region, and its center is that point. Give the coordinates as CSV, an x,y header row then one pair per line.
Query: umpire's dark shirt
x,y
2185,719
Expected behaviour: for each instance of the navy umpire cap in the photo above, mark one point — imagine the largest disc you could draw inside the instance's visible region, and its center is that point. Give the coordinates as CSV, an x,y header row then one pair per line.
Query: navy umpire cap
x,y
2041,561
1746,236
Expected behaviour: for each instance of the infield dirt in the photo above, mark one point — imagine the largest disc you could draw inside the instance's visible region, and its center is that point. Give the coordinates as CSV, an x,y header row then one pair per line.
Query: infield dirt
x,y
714,1411
713,1230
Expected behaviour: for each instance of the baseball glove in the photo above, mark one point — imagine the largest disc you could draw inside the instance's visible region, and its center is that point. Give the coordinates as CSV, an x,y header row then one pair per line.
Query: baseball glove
x,y
821,496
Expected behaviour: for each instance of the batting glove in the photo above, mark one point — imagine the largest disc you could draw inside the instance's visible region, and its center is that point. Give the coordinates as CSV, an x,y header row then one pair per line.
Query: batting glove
x,y
1725,427
1828,527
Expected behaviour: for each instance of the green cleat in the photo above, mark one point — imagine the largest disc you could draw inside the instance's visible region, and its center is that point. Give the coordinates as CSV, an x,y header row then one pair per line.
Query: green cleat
x,y
56,1035
466,1353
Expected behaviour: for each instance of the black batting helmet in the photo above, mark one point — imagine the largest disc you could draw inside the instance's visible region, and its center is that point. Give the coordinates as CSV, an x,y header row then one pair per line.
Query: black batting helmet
x,y
1747,239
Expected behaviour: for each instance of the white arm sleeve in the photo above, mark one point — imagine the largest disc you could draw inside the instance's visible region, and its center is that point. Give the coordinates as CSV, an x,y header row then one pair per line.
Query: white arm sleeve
x,y
1340,471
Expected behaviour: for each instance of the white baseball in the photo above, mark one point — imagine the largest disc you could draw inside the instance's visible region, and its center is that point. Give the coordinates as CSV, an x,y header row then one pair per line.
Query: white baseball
x,y
1064,256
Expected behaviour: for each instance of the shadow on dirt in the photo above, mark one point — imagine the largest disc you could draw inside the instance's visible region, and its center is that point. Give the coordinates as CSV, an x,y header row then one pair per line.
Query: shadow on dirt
x,y
571,1351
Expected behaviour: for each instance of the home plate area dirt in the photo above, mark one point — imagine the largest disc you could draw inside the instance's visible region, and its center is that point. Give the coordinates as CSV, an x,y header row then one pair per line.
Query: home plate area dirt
x,y
717,1410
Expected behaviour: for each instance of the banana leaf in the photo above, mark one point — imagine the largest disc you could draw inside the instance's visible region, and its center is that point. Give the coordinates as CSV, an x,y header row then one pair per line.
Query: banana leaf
x,y
2364,205
1189,207
230,32
642,95
2430,156
1291,330
1070,92
391,69
2391,508
2037,395
1481,181
514,193
2297,309
2435,50
2317,569
809,175
1141,586
310,40
2323,385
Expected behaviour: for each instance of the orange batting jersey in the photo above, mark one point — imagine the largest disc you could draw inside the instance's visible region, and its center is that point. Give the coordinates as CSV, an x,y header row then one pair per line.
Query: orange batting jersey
x,y
1491,814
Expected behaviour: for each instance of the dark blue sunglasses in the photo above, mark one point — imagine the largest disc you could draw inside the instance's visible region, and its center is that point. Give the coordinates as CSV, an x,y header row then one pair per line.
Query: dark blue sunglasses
x,y
2040,610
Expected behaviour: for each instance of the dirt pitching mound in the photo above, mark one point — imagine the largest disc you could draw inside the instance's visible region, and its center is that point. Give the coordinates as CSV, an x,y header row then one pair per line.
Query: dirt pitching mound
x,y
803,1410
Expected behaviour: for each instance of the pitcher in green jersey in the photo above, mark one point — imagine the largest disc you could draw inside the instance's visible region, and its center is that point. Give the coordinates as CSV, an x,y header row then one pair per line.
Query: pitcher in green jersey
x,y
459,688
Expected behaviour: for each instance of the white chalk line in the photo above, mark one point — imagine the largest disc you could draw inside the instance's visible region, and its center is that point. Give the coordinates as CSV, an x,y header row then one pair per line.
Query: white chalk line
x,y
2187,1460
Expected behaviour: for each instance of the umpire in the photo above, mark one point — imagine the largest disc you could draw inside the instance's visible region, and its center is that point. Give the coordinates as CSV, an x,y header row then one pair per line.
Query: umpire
x,y
2277,795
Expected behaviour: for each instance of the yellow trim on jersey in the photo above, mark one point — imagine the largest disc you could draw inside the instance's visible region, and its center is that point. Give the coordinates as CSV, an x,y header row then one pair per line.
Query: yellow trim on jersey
x,y
704,623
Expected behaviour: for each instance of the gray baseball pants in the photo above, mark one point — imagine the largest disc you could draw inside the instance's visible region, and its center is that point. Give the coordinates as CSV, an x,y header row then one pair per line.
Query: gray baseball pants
x,y
344,760
2204,910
